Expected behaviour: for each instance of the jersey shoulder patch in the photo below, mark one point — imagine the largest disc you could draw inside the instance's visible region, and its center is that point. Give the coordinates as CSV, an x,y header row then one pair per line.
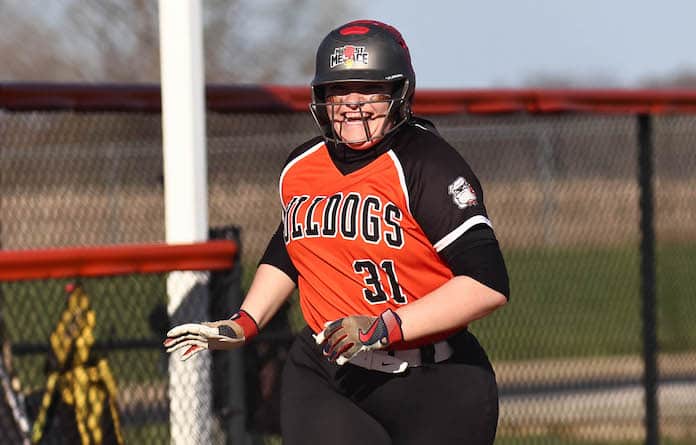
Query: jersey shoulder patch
x,y
463,194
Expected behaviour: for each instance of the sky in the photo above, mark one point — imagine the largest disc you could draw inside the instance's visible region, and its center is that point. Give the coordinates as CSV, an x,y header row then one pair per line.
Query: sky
x,y
505,43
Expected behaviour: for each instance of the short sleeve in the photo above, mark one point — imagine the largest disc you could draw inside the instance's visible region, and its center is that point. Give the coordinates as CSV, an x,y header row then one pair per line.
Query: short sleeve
x,y
445,196
276,255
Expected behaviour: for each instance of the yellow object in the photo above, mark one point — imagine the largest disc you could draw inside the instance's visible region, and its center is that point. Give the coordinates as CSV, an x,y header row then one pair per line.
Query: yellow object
x,y
79,384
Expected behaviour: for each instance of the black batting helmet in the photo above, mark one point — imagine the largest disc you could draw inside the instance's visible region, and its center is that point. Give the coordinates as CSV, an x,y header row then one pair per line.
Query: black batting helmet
x,y
364,51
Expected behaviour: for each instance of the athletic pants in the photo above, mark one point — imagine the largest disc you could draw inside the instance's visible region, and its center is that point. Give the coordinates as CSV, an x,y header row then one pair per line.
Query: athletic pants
x,y
451,402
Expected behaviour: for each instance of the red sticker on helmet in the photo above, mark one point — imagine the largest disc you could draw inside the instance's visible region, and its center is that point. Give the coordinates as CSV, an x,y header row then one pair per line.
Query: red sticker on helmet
x,y
352,30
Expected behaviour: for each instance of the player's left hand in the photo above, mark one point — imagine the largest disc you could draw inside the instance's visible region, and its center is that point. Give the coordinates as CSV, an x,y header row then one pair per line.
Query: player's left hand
x,y
345,337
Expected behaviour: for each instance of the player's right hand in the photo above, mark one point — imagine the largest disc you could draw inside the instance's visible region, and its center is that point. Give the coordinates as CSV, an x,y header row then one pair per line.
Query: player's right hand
x,y
222,334
342,339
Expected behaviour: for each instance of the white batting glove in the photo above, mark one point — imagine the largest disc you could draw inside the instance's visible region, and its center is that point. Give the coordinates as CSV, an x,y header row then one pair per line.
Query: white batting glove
x,y
215,335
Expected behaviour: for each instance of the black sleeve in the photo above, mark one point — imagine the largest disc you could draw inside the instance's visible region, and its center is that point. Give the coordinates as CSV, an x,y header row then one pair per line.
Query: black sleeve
x,y
445,196
277,255
477,254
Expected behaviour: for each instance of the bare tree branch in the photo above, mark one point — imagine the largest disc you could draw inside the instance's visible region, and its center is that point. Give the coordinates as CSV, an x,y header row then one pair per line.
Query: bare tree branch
x,y
118,40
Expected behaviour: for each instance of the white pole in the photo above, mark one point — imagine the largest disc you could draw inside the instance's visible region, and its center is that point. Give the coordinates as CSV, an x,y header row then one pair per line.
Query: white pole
x,y
186,205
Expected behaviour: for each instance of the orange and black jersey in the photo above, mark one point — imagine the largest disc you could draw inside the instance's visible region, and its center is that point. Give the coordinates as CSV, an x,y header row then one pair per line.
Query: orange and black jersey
x,y
363,231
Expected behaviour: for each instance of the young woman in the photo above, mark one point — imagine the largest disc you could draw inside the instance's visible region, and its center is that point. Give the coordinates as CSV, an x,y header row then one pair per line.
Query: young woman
x,y
386,235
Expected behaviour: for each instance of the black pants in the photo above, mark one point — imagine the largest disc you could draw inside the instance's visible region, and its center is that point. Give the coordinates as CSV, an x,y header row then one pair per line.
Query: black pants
x,y
452,402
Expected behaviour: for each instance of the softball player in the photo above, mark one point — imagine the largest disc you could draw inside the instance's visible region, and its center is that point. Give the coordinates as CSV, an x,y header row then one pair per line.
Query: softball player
x,y
386,235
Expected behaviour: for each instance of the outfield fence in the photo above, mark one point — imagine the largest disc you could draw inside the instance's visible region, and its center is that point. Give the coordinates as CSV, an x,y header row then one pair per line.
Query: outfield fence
x,y
591,193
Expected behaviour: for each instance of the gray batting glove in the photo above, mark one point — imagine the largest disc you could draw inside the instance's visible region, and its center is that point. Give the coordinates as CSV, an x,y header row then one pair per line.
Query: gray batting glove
x,y
216,335
342,339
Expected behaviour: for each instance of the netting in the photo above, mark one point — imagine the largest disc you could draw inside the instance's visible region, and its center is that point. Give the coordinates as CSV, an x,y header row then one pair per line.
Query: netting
x,y
563,195
72,353
83,360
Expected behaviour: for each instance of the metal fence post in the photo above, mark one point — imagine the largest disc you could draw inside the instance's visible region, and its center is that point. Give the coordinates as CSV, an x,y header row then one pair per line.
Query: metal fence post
x,y
647,274
229,390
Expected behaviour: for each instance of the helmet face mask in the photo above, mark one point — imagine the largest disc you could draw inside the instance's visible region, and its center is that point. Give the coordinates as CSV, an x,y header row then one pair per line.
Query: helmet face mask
x,y
346,104
362,57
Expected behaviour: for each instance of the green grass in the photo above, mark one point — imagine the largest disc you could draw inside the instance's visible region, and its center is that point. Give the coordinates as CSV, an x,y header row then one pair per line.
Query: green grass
x,y
676,292
553,439
586,302
151,433
121,304
565,302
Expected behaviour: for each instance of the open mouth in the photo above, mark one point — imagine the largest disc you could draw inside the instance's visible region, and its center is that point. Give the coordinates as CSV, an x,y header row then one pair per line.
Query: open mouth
x,y
352,117
351,122
355,119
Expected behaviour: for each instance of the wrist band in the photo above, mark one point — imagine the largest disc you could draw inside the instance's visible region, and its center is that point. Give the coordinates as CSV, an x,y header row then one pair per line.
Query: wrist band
x,y
392,322
247,322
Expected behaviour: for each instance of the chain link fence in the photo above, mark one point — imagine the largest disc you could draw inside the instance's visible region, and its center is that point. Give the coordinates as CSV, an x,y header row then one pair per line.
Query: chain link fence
x,y
564,197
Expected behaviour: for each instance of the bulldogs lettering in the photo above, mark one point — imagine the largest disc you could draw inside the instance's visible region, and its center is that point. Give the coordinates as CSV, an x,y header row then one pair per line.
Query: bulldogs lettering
x,y
349,216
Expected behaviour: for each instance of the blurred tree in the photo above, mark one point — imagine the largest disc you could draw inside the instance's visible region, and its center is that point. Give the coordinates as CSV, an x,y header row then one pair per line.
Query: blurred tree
x,y
117,40
547,79
683,78
273,41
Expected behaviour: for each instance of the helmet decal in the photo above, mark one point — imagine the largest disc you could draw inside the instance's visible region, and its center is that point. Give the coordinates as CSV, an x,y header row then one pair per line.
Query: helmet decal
x,y
390,29
352,30
348,55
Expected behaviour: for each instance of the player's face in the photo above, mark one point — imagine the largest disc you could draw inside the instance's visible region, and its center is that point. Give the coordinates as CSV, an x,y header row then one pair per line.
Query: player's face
x,y
358,112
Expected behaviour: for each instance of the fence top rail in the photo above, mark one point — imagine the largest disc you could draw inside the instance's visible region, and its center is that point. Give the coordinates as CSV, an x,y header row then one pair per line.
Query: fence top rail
x,y
93,261
287,99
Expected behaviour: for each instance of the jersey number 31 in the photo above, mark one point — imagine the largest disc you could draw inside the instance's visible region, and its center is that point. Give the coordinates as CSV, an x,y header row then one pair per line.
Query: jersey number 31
x,y
374,289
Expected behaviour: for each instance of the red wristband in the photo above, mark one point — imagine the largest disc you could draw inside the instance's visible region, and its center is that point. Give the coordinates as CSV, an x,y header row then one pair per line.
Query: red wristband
x,y
248,324
392,322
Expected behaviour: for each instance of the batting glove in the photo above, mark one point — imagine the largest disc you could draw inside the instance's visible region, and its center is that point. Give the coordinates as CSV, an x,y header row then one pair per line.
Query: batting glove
x,y
345,337
223,334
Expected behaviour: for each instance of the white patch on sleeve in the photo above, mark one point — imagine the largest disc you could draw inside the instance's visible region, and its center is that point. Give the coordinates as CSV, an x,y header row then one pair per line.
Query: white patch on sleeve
x,y
462,193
